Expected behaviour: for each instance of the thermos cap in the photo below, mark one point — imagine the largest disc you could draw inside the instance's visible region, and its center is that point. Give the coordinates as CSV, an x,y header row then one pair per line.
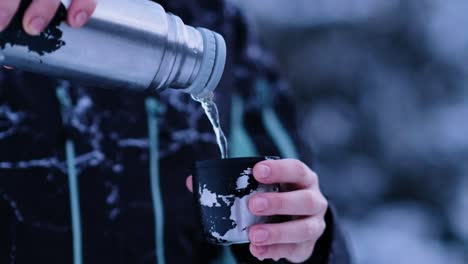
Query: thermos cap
x,y
212,67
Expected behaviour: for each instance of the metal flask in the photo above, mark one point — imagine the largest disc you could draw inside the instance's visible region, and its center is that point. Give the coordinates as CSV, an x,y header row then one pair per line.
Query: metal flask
x,y
126,44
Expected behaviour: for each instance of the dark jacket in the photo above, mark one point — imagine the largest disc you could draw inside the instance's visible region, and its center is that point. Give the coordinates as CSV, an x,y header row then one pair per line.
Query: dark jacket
x,y
54,132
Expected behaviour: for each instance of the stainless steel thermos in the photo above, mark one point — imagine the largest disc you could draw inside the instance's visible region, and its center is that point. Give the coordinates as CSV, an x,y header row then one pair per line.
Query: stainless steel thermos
x,y
127,43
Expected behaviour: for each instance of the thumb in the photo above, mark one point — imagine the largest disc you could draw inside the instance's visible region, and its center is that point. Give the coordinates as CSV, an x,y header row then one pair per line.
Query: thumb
x,y
189,183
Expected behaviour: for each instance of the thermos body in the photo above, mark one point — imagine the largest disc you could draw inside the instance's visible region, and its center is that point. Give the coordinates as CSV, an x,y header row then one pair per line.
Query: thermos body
x,y
126,43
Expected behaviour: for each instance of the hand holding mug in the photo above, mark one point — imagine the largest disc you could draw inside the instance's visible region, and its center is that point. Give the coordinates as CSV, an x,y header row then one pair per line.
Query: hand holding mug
x,y
300,198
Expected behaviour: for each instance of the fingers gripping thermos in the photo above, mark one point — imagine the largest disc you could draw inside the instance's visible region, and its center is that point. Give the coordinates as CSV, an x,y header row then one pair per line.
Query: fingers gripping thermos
x,y
125,44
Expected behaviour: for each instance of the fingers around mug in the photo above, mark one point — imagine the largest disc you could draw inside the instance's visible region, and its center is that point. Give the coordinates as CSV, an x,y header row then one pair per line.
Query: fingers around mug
x,y
294,253
305,202
285,171
189,183
38,15
275,252
7,11
80,11
302,252
295,231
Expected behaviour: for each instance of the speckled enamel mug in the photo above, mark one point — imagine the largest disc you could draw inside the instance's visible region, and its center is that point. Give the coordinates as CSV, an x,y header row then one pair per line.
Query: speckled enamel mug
x,y
222,189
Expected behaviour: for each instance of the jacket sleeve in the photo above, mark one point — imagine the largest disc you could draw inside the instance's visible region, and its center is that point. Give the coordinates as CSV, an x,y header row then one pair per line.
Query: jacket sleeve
x,y
331,248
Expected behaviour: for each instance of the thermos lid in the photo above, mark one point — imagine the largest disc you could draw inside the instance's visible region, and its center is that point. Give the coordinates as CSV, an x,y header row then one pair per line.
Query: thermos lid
x,y
212,67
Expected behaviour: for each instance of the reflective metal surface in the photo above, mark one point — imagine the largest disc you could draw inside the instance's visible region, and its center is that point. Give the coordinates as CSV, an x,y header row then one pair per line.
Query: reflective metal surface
x,y
131,44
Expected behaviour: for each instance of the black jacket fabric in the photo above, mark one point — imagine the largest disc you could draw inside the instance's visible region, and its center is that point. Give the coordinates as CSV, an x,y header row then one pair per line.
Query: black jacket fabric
x,y
109,131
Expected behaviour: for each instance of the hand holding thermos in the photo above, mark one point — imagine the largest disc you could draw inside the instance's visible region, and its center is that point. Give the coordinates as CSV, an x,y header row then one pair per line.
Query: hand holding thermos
x,y
39,13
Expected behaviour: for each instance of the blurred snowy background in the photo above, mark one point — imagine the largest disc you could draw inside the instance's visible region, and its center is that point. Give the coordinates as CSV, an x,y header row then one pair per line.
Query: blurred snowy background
x,y
382,86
